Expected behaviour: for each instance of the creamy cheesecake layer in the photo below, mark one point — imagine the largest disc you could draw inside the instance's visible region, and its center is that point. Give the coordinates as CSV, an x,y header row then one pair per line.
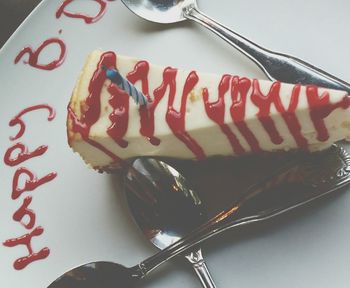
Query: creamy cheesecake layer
x,y
194,115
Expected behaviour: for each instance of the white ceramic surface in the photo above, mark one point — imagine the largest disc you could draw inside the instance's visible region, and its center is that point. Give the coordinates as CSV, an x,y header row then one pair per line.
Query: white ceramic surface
x,y
84,219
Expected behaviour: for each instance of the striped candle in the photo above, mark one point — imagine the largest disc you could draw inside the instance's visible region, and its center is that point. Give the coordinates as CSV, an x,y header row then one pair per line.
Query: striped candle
x,y
125,85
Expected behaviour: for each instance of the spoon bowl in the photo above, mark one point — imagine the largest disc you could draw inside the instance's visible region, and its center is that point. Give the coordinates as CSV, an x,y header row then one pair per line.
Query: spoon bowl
x,y
166,208
96,274
166,11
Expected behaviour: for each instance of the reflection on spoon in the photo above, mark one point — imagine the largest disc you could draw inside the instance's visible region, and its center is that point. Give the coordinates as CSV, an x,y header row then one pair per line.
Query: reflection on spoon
x,y
167,210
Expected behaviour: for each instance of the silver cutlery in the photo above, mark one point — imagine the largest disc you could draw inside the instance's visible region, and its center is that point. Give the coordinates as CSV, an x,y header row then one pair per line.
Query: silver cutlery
x,y
303,179
275,65
168,211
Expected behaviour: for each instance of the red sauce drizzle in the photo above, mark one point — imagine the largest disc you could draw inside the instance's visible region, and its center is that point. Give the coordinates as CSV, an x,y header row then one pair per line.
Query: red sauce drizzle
x,y
34,55
88,19
290,118
17,120
273,97
239,93
90,113
119,101
264,104
81,128
25,240
320,108
140,73
216,112
176,119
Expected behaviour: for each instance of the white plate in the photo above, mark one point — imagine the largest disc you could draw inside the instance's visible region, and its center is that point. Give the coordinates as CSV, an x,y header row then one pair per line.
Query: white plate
x,y
82,217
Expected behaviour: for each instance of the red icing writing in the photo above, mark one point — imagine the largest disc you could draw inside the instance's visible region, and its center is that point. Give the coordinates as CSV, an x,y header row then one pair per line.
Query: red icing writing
x,y
23,155
25,211
33,55
88,19
31,183
17,120
24,215
26,240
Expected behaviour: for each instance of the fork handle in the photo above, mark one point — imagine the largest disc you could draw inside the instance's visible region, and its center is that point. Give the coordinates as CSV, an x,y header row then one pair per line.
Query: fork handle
x,y
201,269
276,66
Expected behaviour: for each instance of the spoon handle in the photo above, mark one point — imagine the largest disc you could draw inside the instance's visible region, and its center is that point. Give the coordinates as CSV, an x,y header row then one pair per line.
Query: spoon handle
x,y
201,269
211,228
276,66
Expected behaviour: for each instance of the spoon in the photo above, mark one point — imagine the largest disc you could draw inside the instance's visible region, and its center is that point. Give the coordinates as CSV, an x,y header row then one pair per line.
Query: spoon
x,y
170,212
305,178
276,66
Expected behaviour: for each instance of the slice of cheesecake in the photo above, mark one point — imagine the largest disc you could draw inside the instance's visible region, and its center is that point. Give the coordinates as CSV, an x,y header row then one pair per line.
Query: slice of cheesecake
x,y
193,115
